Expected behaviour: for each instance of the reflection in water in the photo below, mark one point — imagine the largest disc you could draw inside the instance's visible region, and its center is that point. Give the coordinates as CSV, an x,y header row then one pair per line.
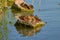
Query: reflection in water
x,y
0,17
3,25
1,36
27,30
17,12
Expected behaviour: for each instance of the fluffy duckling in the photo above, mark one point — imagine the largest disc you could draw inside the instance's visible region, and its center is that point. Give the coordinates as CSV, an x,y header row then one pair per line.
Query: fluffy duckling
x,y
25,5
30,19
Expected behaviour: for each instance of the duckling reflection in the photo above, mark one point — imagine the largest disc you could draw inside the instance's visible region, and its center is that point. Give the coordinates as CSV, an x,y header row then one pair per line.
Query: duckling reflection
x,y
26,30
0,17
16,12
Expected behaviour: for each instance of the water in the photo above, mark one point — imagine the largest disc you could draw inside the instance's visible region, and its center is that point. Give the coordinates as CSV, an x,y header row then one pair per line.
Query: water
x,y
48,11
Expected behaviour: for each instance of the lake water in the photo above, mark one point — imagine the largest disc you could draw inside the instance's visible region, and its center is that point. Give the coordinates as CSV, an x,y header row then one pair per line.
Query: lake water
x,y
47,10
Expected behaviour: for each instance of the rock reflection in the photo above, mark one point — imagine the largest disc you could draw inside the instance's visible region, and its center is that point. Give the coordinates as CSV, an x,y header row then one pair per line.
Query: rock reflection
x,y
26,30
18,12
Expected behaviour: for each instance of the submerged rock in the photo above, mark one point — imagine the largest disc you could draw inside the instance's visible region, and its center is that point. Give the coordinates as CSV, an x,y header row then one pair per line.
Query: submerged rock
x,y
30,20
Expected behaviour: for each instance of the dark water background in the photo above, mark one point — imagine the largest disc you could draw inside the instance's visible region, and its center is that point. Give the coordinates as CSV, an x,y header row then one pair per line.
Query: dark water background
x,y
47,10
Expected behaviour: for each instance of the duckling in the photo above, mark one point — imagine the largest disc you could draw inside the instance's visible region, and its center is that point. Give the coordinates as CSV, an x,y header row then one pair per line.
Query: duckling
x,y
30,6
21,17
24,5
37,18
30,19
